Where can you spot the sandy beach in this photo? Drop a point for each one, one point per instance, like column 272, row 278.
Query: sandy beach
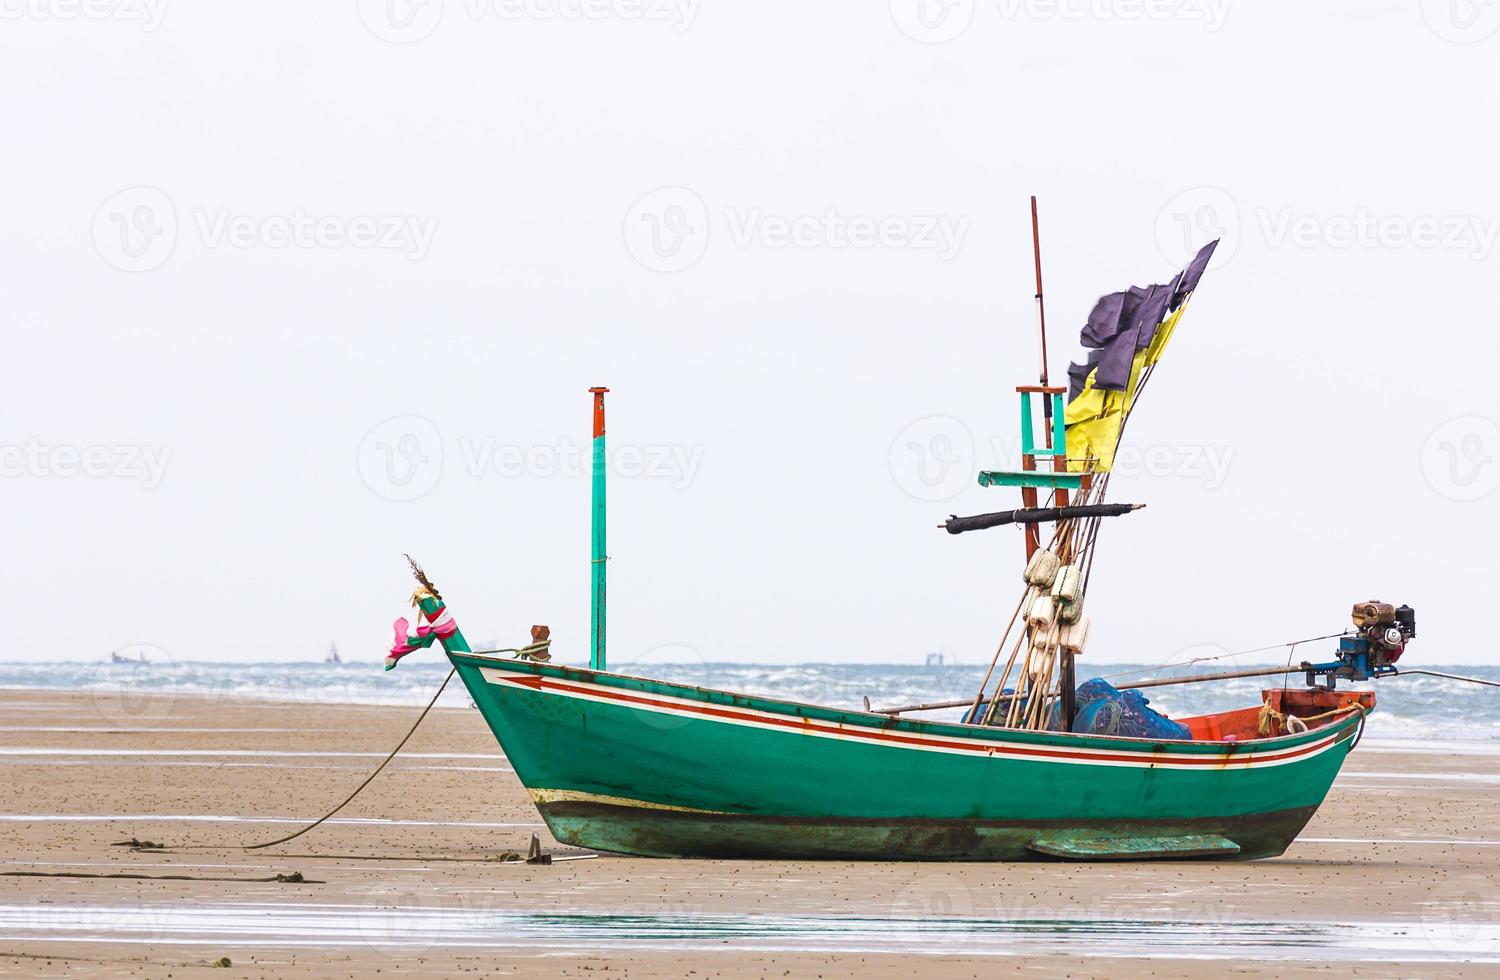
column 1398, row 875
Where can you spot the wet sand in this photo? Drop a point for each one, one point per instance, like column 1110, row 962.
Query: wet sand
column 1398, row 875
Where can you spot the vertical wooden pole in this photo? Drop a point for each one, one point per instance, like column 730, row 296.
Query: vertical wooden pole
column 1059, row 463
column 1041, row 306
column 600, row 556
column 1060, row 496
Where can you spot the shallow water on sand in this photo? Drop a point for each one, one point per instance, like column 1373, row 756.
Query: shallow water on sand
column 413, row 929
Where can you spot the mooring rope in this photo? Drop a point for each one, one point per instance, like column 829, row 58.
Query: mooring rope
column 295, row 878
column 368, row 779
column 530, row 650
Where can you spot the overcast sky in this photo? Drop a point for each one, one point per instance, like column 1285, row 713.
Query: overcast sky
column 292, row 288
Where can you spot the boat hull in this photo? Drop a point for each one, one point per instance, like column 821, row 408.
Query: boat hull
column 649, row 832
column 644, row 767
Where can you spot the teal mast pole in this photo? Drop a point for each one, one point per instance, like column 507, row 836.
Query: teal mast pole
column 600, row 558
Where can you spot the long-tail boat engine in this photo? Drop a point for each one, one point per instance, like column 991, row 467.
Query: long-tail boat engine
column 1381, row 632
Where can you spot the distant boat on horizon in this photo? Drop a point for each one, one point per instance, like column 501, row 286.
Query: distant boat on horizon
column 116, row 658
column 333, row 654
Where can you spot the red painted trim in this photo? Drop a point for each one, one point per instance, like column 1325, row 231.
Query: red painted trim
column 808, row 725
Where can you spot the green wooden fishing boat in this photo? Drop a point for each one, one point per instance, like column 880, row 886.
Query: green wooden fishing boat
column 649, row 767
column 646, row 767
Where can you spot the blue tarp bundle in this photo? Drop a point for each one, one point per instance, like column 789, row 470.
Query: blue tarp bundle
column 1105, row 710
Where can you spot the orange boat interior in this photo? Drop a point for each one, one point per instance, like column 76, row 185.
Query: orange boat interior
column 1310, row 707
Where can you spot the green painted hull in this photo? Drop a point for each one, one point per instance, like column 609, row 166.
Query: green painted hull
column 645, row 767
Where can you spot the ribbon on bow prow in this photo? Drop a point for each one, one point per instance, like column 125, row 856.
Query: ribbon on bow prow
column 443, row 626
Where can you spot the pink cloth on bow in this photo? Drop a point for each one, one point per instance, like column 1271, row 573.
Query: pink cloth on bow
column 444, row 628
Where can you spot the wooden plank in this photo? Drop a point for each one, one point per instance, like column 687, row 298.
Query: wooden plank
column 1134, row 848
column 1033, row 478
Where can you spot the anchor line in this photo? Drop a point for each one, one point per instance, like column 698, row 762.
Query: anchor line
column 147, row 845
column 368, row 779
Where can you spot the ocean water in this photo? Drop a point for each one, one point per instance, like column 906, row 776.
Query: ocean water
column 1409, row 707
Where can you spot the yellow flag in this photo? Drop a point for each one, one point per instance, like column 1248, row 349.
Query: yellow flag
column 1163, row 334
column 1094, row 419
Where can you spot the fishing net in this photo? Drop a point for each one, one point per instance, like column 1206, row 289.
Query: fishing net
column 1105, row 710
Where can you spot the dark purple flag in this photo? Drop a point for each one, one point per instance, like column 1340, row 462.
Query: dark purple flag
column 1105, row 320
column 1115, row 359
column 1193, row 273
column 1125, row 322
column 1078, row 374
column 1148, row 315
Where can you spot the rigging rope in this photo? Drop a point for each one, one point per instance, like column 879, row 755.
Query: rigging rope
column 1238, row 653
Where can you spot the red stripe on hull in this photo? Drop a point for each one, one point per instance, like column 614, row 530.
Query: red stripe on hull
column 808, row 725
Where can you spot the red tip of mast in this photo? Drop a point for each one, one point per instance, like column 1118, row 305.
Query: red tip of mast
column 598, row 411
